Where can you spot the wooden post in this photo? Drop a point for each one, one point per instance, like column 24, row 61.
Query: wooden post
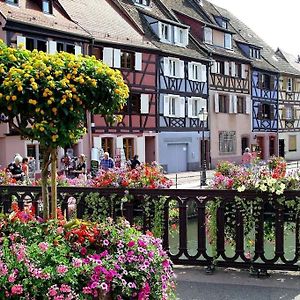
column 53, row 183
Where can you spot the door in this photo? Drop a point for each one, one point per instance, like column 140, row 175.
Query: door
column 245, row 144
column 260, row 144
column 177, row 158
column 281, row 147
column 272, row 145
column 149, row 149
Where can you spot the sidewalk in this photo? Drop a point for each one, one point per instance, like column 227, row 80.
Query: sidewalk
column 234, row 284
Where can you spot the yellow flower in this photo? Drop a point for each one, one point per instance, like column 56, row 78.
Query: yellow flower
column 49, row 102
column 20, row 88
column 31, row 101
column 1, row 95
column 37, row 109
column 7, row 98
column 9, row 107
column 42, row 129
column 54, row 110
column 13, row 98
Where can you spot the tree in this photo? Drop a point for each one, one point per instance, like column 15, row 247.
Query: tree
column 46, row 97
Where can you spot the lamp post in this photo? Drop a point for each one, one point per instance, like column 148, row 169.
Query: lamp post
column 202, row 119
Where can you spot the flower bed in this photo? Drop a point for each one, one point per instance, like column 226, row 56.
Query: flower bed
column 80, row 260
column 270, row 176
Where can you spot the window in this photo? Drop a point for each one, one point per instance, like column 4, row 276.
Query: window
column 241, row 105
column 220, row 67
column 128, row 145
column 224, row 24
column 227, row 142
column 165, row 32
column 228, row 41
column 238, row 70
column 266, row 82
column 70, row 48
column 47, row 6
column 60, row 47
column 33, row 150
column 172, row 106
column 29, row 44
column 289, row 85
column 127, row 60
column 208, row 35
column 142, row 2
column 173, row 68
column 42, row 46
column 195, row 105
column 292, row 143
column 135, row 102
column 15, row 2
column 107, row 146
column 288, row 113
column 254, row 53
column 97, row 52
column 266, row 111
column 223, row 104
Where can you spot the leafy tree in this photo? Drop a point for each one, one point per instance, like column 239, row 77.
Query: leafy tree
column 46, row 97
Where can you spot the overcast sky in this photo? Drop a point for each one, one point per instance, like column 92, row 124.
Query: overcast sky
column 277, row 22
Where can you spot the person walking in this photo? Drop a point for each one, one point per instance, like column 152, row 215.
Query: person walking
column 247, row 158
column 106, row 162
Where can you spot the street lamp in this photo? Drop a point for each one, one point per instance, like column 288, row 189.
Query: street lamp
column 202, row 119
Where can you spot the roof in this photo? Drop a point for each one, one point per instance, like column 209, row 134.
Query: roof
column 269, row 61
column 291, row 59
column 159, row 11
column 105, row 22
column 204, row 15
column 28, row 12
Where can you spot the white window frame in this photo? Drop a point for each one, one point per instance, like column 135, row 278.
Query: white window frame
column 289, row 113
column 228, row 43
column 195, row 105
column 174, row 67
column 175, row 106
column 289, row 86
column 208, row 35
column 165, row 29
column 227, row 142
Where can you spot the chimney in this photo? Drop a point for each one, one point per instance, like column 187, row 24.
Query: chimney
column 298, row 59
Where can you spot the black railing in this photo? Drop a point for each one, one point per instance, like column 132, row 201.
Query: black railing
column 185, row 207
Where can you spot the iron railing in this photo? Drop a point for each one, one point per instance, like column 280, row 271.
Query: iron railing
column 191, row 206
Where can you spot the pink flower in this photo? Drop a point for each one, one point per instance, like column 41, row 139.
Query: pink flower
column 52, row 291
column 60, row 230
column 83, row 251
column 62, row 269
column 65, row 288
column 43, row 246
column 131, row 244
column 17, row 289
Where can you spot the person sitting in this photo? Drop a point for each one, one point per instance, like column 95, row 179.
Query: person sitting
column 247, row 158
column 16, row 168
column 135, row 162
column 106, row 162
column 81, row 166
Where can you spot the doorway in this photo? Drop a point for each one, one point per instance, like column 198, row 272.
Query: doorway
column 149, row 149
column 281, row 147
column 261, row 148
column 272, row 145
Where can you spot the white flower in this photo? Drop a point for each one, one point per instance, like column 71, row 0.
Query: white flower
column 241, row 188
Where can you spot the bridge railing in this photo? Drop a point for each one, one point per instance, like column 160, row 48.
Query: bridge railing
column 198, row 227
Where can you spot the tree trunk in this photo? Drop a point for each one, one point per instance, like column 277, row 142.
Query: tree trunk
column 53, row 183
column 45, row 193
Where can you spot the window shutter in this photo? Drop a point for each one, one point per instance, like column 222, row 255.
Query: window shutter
column 248, row 105
column 186, row 37
column 284, row 84
column 190, row 71
column 117, row 58
column 21, row 40
column 166, row 66
column 259, row 112
column 140, row 145
column 166, row 106
column 51, row 47
column 190, row 107
column 214, row 67
column 231, row 100
column 144, row 103
column 235, row 104
column 181, row 107
column 176, row 35
column 78, row 50
column 216, row 102
column 203, row 104
column 203, row 73
column 119, row 142
column 138, row 61
column 244, row 75
column 159, row 33
column 283, row 113
column 233, row 74
column 108, row 56
column 226, row 68
column 294, row 113
column 272, row 111
column 181, row 69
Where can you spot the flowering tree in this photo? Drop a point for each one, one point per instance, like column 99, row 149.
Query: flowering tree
column 45, row 98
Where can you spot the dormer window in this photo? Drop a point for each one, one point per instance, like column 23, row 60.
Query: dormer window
column 165, row 32
column 228, row 41
column 14, row 2
column 208, row 35
column 47, row 6
column 224, row 24
column 142, row 2
column 255, row 53
column 181, row 36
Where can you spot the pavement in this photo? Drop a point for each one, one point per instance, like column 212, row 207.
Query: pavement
column 233, row 284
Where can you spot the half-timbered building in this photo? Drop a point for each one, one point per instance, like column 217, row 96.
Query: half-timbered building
column 122, row 44
column 289, row 107
column 45, row 26
column 229, row 78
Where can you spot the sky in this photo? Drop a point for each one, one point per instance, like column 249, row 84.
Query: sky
column 276, row 22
